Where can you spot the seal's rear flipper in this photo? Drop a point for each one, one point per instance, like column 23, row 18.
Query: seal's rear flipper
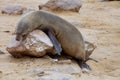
column 84, row 67
column 89, row 48
column 90, row 59
column 55, row 42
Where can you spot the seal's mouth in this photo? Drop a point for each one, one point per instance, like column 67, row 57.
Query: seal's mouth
column 21, row 37
column 18, row 37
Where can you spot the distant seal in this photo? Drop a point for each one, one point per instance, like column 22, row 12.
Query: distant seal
column 58, row 30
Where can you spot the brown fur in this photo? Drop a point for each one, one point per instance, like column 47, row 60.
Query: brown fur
column 68, row 36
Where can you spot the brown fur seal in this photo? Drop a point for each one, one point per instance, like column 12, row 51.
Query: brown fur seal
column 68, row 36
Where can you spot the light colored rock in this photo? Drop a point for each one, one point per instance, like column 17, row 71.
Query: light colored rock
column 37, row 44
column 64, row 61
column 13, row 10
column 62, row 5
column 56, row 76
column 37, row 71
column 28, row 10
column 66, row 69
column 1, row 51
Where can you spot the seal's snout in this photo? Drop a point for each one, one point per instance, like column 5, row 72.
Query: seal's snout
column 18, row 37
column 21, row 37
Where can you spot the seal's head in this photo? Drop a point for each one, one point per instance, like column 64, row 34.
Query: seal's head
column 27, row 23
column 22, row 30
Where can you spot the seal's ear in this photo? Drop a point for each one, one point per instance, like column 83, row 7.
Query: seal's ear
column 55, row 42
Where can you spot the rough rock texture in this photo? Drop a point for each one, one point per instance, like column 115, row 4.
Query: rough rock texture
column 13, row 10
column 68, row 69
column 55, row 76
column 62, row 5
column 37, row 44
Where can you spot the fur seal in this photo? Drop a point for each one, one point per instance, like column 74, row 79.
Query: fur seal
column 58, row 30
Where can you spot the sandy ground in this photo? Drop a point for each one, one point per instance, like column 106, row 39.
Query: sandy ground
column 99, row 22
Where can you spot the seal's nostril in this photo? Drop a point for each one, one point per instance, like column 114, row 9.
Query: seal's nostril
column 18, row 37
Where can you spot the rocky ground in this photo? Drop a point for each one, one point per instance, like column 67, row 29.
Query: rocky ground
column 99, row 22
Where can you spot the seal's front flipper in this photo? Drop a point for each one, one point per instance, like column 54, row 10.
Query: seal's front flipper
column 55, row 42
column 84, row 67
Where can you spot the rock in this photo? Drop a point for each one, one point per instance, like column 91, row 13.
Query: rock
column 1, row 51
column 64, row 61
column 28, row 10
column 66, row 69
column 13, row 10
column 39, row 72
column 54, row 60
column 37, row 44
column 62, row 5
column 56, row 76
column 36, row 71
